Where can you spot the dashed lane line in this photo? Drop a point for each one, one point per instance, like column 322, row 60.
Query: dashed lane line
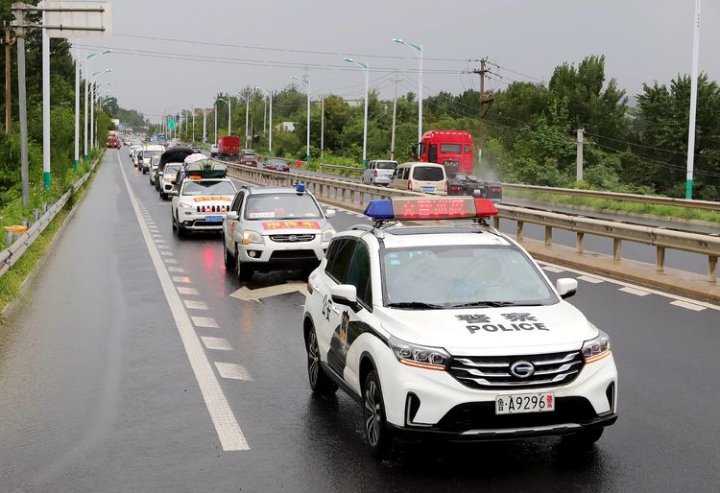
column 636, row 292
column 233, row 371
column 170, row 261
column 590, row 279
column 688, row 306
column 555, row 270
column 670, row 296
column 181, row 279
column 195, row 305
column 216, row 343
column 186, row 291
column 226, row 425
column 207, row 322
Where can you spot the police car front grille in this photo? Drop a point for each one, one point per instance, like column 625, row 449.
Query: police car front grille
column 493, row 372
column 211, row 208
column 291, row 238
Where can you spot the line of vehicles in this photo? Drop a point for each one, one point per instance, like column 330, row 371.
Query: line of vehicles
column 438, row 325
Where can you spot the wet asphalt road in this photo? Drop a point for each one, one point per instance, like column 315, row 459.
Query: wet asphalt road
column 97, row 392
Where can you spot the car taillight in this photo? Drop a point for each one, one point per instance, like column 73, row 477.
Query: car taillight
column 409, row 185
column 446, row 185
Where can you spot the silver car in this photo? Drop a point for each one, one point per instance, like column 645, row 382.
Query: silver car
column 379, row 172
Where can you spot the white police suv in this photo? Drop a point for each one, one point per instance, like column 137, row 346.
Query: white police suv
column 203, row 198
column 275, row 228
column 451, row 330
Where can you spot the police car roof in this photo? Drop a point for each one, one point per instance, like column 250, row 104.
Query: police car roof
column 270, row 191
column 404, row 235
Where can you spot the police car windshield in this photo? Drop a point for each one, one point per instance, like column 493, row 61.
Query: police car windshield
column 208, row 187
column 462, row 276
column 281, row 206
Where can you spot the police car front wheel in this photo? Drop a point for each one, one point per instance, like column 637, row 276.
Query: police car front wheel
column 243, row 270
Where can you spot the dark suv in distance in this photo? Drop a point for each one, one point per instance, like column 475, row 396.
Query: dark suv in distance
column 248, row 158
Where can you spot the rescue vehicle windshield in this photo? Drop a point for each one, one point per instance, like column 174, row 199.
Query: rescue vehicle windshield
column 462, row 276
column 282, row 206
column 208, row 187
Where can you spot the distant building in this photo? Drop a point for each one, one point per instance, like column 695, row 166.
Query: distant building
column 287, row 126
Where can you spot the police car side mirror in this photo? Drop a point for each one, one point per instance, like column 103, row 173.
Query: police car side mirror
column 330, row 213
column 566, row 287
column 345, row 294
column 231, row 216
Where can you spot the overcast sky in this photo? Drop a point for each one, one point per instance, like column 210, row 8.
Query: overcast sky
column 233, row 44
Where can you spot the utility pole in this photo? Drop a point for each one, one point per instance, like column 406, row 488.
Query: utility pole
column 322, row 124
column 9, row 40
column 485, row 102
column 205, row 112
column 20, row 26
column 579, row 158
column 394, row 118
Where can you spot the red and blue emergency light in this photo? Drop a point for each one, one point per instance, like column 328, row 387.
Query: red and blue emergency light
column 417, row 208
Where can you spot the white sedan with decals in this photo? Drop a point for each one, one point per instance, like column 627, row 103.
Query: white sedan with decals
column 450, row 329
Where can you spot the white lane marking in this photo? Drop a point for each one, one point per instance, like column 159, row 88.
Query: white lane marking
column 166, row 253
column 636, row 292
column 689, row 306
column 649, row 290
column 158, row 241
column 233, row 371
column 208, row 322
column 183, row 290
column 175, row 269
column 590, row 279
column 195, row 305
column 555, row 270
column 157, row 235
column 170, row 261
column 216, row 343
column 256, row 295
column 182, row 279
column 229, row 433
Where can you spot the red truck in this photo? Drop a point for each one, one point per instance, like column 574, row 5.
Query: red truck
column 228, row 147
column 454, row 150
column 448, row 147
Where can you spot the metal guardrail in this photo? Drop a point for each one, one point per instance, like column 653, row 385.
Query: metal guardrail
column 596, row 194
column 355, row 196
column 14, row 252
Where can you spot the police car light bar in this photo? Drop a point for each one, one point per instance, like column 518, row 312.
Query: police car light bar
column 300, row 188
column 420, row 208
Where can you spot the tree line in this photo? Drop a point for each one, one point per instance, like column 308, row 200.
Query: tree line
column 636, row 145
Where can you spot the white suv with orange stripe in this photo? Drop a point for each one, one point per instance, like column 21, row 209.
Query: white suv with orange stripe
column 273, row 229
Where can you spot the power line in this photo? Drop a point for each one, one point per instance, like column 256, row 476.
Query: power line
column 281, row 50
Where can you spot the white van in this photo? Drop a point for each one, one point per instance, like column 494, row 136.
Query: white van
column 420, row 177
column 379, row 172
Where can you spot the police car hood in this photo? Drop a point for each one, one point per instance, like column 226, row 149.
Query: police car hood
column 492, row 331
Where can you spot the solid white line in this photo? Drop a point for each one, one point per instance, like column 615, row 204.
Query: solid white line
column 634, row 291
column 649, row 290
column 208, row 322
column 226, row 425
column 216, row 343
column 233, row 371
column 689, row 306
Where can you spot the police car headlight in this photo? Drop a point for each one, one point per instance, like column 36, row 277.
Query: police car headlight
column 430, row 358
column 328, row 234
column 251, row 237
column 596, row 349
column 185, row 205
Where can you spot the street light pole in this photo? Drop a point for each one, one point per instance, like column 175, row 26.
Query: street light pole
column 366, row 67
column 86, row 73
column 418, row 48
column 46, row 102
column 693, row 104
column 76, row 161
